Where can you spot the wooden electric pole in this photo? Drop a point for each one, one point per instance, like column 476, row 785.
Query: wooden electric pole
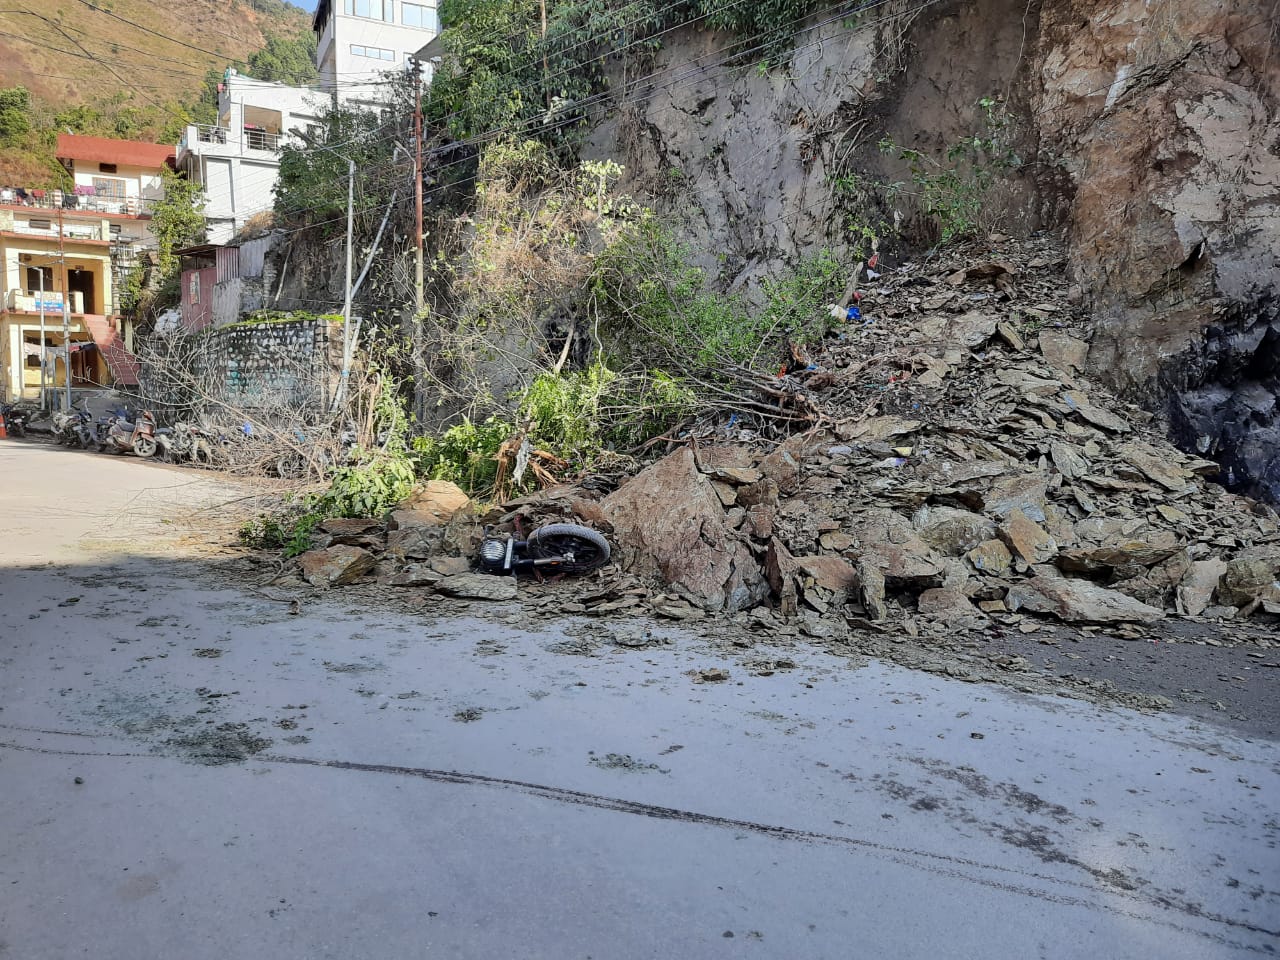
column 417, row 185
column 546, row 78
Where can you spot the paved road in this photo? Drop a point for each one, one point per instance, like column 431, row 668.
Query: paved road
column 465, row 788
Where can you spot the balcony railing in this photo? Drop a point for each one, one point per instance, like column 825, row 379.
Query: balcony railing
column 247, row 138
column 57, row 200
column 31, row 301
column 70, row 231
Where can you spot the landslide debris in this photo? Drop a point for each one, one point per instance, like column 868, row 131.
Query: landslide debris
column 959, row 474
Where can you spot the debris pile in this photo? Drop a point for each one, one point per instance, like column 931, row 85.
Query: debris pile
column 958, row 469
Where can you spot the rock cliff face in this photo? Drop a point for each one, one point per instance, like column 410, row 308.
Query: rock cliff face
column 1166, row 116
column 1147, row 131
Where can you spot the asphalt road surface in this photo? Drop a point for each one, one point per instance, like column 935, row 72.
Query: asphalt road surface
column 187, row 770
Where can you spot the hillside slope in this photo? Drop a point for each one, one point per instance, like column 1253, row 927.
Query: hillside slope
column 135, row 68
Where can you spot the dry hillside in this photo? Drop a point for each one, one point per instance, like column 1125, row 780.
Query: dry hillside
column 133, row 59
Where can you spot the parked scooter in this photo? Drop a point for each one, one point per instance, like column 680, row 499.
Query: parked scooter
column 136, row 434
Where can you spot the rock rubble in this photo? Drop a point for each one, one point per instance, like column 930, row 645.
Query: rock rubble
column 958, row 470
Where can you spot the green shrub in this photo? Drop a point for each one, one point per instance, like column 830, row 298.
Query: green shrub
column 367, row 489
column 646, row 286
column 465, row 454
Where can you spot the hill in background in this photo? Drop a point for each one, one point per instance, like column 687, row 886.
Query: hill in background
column 133, row 69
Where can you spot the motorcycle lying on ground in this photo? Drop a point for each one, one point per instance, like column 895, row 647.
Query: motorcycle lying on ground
column 127, row 433
column 552, row 549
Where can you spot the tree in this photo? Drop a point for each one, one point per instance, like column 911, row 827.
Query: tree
column 286, row 60
column 177, row 220
column 15, row 116
column 312, row 182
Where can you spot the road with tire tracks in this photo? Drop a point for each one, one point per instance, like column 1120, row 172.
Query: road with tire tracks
column 188, row 770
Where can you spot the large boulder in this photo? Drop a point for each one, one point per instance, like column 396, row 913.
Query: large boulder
column 889, row 542
column 952, row 532
column 1145, row 548
column 430, row 504
column 669, row 522
column 1078, row 601
column 1251, row 576
column 1195, row 592
column 336, row 566
column 478, row 586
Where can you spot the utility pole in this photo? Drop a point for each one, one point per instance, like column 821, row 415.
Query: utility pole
column 347, row 345
column 43, row 358
column 546, row 79
column 66, row 316
column 417, row 185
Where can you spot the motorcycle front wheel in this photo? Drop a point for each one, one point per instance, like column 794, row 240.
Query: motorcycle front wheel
column 559, row 541
column 144, row 446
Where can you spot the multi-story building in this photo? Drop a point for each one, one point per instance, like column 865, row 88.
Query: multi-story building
column 75, row 247
column 237, row 159
column 359, row 40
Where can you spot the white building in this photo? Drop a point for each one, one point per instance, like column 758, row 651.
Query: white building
column 237, row 159
column 359, row 40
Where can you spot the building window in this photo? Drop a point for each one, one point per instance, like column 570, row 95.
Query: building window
column 106, row 168
column 109, row 187
column 376, row 53
column 371, row 9
column 419, row 15
column 39, row 279
column 39, row 224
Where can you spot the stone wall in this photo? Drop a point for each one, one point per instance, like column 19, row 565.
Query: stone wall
column 277, row 368
column 271, row 372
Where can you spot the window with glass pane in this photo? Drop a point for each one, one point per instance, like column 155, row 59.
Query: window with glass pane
column 375, row 53
column 418, row 15
column 372, row 9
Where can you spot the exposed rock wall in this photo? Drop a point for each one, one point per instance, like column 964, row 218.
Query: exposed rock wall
column 1148, row 132
column 1164, row 114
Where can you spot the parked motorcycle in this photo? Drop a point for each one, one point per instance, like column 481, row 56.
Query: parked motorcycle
column 131, row 434
column 15, row 419
column 184, row 442
column 96, row 434
column 66, row 422
column 554, row 548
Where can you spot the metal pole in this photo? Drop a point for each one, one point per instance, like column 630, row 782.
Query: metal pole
column 546, row 80
column 43, row 358
column 66, row 315
column 347, row 345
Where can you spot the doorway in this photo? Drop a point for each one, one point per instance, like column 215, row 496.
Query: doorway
column 82, row 282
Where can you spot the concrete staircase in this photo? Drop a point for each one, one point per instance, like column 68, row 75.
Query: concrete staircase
column 122, row 364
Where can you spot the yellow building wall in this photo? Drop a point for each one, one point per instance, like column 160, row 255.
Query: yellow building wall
column 40, row 252
column 17, row 379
